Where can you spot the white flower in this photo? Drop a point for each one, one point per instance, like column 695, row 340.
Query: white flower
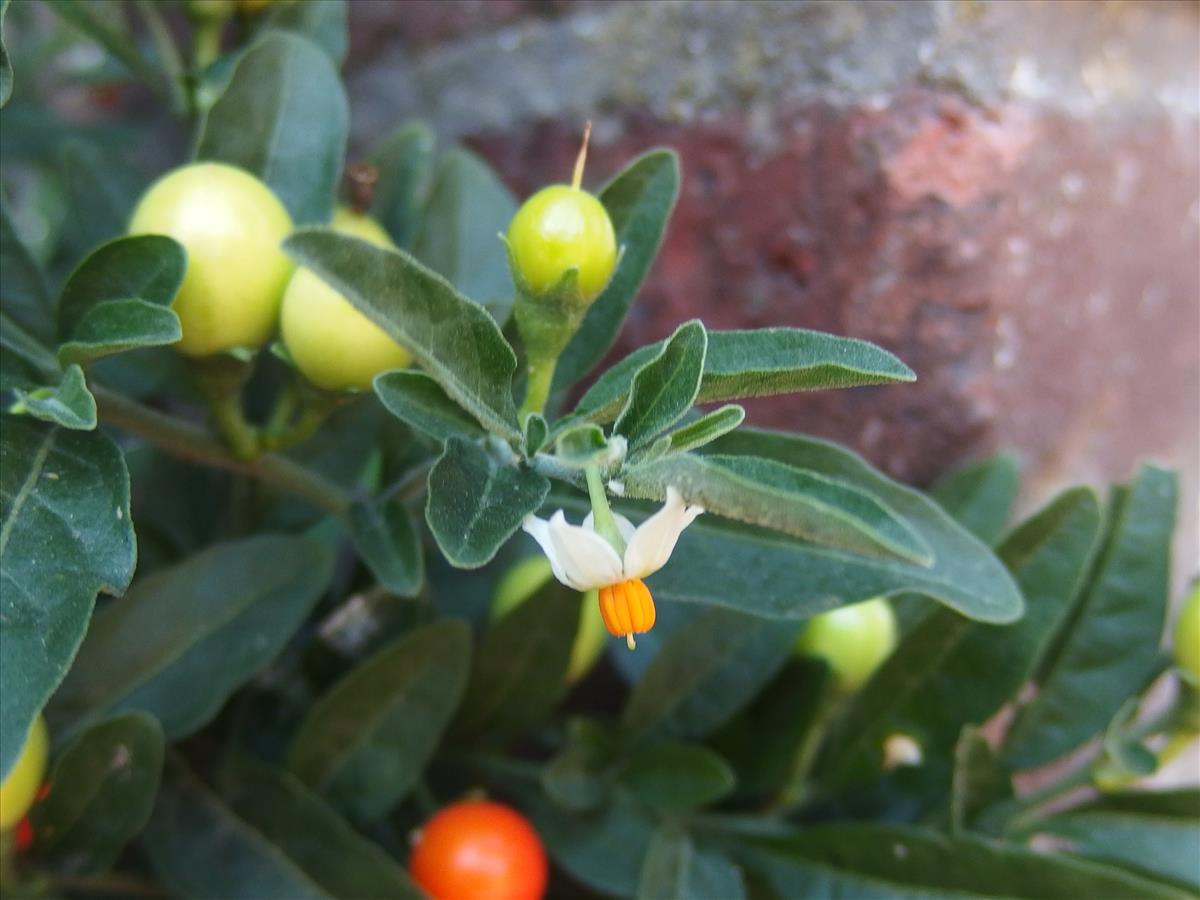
column 583, row 560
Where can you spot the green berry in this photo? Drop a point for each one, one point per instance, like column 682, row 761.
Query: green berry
column 558, row 229
column 20, row 785
column 231, row 226
column 332, row 343
column 852, row 640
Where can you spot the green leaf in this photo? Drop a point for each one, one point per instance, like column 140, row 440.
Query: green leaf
column 120, row 325
column 723, row 563
column 455, row 341
column 103, row 788
column 536, row 431
column 639, row 201
column 6, row 70
column 416, row 399
column 387, row 539
column 672, row 776
column 69, row 403
column 706, row 671
column 883, row 860
column 981, row 495
column 467, row 211
column 106, row 25
column 24, row 297
column 773, row 742
column 577, row 778
column 519, row 673
column 979, row 781
column 273, row 841
column 705, row 429
column 284, row 118
column 603, row 850
column 581, row 445
column 664, row 389
column 24, row 361
column 1156, row 833
column 675, row 869
column 365, row 743
column 323, row 23
column 1113, row 638
column 185, row 638
column 300, row 825
column 65, row 533
column 405, row 162
column 147, row 267
column 764, row 492
column 477, row 502
column 101, row 187
column 757, row 363
column 921, row 687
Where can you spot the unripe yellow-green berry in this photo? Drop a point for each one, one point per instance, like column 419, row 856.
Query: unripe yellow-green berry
column 852, row 640
column 20, row 786
column 1187, row 636
column 331, row 342
column 558, row 229
column 231, row 226
column 524, row 580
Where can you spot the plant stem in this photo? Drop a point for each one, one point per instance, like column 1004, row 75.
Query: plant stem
column 168, row 55
column 206, row 44
column 196, row 444
column 602, row 517
column 537, row 389
column 111, row 883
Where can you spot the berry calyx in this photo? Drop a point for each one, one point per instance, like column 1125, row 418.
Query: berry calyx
column 231, row 226
column 332, row 343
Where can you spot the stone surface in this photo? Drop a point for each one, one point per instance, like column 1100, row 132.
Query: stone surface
column 1004, row 194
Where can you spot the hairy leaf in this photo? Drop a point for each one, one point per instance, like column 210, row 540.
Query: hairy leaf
column 455, row 341
column 103, row 788
column 284, row 117
column 188, row 636
column 764, row 492
column 467, row 210
column 1113, row 638
column 476, row 502
column 664, row 389
column 757, row 364
column 65, row 534
column 416, row 399
column 367, row 741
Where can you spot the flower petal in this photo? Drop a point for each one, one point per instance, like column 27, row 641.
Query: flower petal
column 654, row 540
column 588, row 560
column 539, row 529
column 623, row 525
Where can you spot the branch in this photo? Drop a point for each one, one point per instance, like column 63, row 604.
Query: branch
column 196, row 444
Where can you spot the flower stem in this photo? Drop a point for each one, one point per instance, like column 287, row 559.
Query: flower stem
column 196, row 444
column 602, row 517
column 537, row 390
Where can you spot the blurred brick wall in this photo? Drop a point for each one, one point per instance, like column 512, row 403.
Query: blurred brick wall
column 1004, row 194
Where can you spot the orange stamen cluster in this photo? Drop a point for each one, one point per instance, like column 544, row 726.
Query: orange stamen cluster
column 627, row 609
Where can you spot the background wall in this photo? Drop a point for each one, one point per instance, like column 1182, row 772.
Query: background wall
column 1007, row 195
